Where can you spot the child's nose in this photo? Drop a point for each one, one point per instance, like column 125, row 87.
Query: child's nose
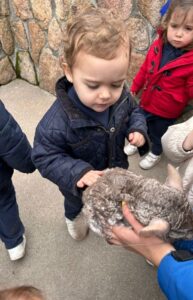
column 105, row 94
column 179, row 32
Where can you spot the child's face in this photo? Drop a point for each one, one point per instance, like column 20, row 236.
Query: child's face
column 180, row 28
column 99, row 82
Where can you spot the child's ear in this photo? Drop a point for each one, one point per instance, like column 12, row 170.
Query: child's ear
column 67, row 72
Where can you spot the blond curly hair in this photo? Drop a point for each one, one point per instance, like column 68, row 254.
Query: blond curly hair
column 97, row 31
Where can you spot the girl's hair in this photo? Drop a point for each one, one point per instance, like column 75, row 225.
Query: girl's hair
column 98, row 31
column 21, row 293
column 185, row 6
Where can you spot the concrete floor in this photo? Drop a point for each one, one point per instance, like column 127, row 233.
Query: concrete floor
column 61, row 267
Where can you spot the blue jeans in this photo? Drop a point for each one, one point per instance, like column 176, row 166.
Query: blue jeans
column 157, row 126
column 11, row 227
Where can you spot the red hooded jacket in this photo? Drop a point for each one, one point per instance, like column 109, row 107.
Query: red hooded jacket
column 166, row 91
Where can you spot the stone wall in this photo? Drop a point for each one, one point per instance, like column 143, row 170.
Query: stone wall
column 31, row 35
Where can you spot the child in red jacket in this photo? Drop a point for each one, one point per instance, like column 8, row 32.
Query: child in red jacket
column 166, row 77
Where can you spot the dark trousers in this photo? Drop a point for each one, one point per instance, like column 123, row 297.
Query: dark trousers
column 157, row 126
column 11, row 227
column 72, row 206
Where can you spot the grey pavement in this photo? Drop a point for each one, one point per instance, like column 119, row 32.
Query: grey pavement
column 61, row 267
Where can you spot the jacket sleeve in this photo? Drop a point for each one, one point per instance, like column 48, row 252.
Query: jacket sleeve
column 173, row 139
column 52, row 159
column 190, row 88
column 172, row 142
column 15, row 149
column 140, row 78
column 175, row 278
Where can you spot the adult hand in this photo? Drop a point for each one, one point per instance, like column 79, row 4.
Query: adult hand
column 152, row 248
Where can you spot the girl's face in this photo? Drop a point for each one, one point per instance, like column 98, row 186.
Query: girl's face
column 180, row 28
column 99, row 82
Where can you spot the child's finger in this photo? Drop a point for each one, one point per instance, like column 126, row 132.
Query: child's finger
column 80, row 184
column 130, row 137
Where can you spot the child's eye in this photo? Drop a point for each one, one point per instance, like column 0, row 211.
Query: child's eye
column 189, row 28
column 116, row 86
column 92, row 87
column 173, row 25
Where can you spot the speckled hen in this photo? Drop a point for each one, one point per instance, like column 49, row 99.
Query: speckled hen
column 162, row 208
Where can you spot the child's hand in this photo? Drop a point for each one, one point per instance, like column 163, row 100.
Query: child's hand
column 136, row 139
column 89, row 178
column 133, row 93
column 188, row 142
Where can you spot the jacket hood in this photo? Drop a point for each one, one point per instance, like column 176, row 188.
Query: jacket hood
column 62, row 87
